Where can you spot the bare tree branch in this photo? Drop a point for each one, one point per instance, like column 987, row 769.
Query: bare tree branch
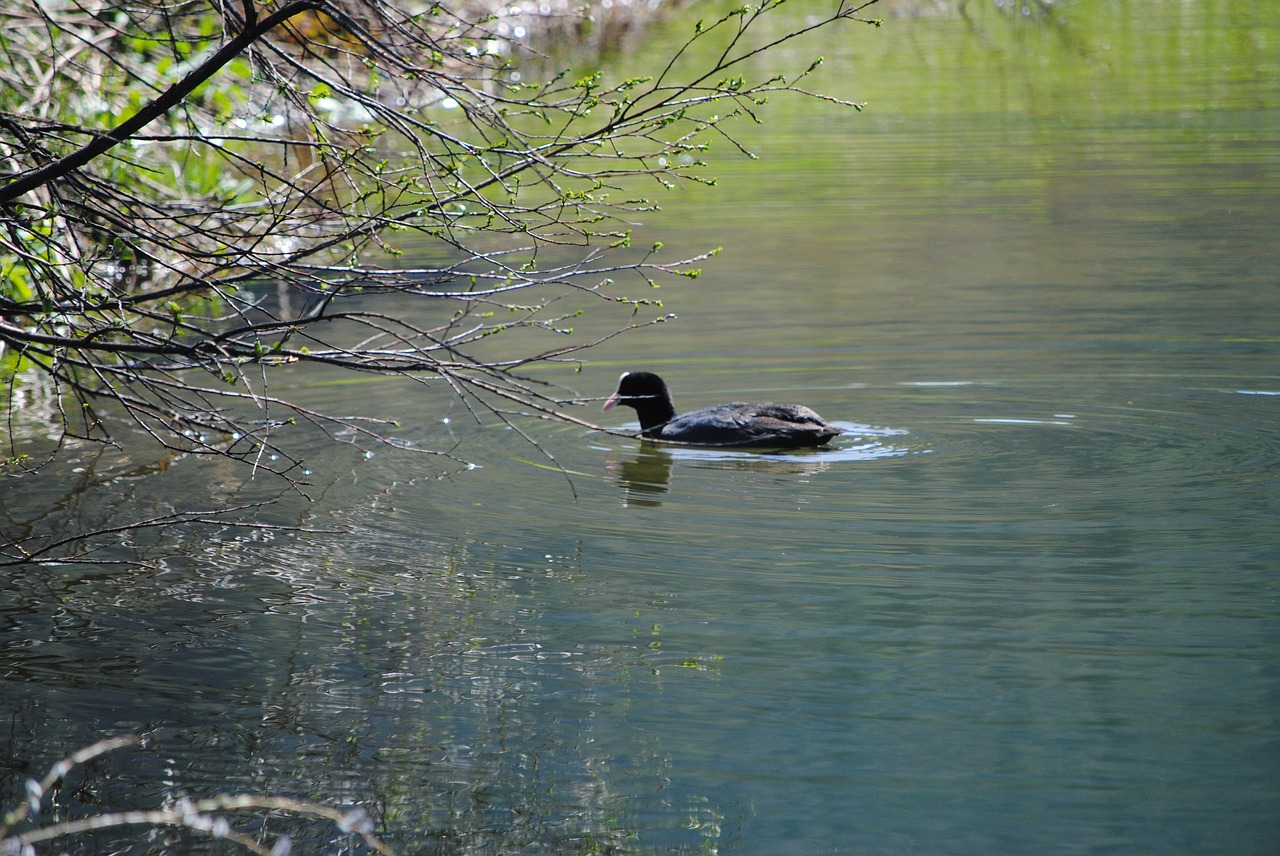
column 208, row 817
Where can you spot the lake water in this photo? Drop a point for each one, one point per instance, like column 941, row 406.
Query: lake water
column 1029, row 604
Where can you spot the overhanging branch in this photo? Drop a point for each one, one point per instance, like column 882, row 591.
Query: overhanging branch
column 170, row 98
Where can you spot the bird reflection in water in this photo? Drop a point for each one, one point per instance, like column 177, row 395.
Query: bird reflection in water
column 646, row 474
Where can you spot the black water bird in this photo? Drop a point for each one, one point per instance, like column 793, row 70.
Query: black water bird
column 738, row 423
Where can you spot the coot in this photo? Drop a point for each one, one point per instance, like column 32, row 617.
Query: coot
column 735, row 424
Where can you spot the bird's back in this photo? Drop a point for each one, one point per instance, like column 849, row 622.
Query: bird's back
column 750, row 424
